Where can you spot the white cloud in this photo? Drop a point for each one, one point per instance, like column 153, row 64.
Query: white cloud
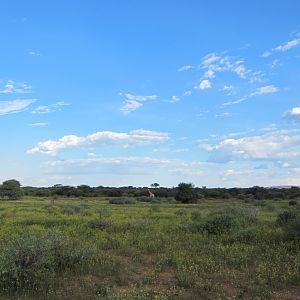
column 12, row 87
column 283, row 47
column 128, row 165
column 234, row 101
column 14, row 106
column 138, row 137
column 204, row 85
column 225, row 114
column 185, row 68
column 216, row 63
column 273, row 146
column 227, row 88
column 293, row 114
column 133, row 102
column 39, row 124
column 33, row 53
column 269, row 89
column 209, row 59
column 209, row 73
column 46, row 109
column 174, row 99
column 187, row 93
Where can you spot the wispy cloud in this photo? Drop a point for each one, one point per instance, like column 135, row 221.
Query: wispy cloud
column 12, row 87
column 185, row 68
column 283, row 47
column 138, row 137
column 234, row 101
column 14, row 106
column 38, row 124
column 224, row 63
column 224, row 114
column 46, row 109
column 33, row 53
column 133, row 102
column 174, row 99
column 268, row 89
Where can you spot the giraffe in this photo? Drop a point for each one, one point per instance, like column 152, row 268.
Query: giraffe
column 151, row 195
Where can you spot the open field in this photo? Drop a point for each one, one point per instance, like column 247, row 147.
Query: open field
column 90, row 249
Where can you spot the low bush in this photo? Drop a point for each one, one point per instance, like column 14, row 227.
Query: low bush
column 285, row 217
column 217, row 224
column 33, row 262
column 101, row 224
column 122, row 201
column 293, row 202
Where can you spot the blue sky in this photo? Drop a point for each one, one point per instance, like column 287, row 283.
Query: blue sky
column 135, row 92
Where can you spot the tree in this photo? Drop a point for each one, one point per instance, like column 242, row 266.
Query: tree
column 154, row 185
column 186, row 193
column 11, row 189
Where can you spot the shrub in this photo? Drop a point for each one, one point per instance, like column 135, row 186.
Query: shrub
column 219, row 223
column 122, row 201
column 196, row 215
column 104, row 213
column 293, row 202
column 33, row 261
column 292, row 228
column 101, row 224
column 285, row 217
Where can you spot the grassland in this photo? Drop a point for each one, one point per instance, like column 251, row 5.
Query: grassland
column 90, row 249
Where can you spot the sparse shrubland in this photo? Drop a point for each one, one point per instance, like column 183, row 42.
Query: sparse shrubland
column 92, row 248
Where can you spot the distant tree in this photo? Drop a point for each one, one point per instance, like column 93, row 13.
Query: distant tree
column 186, row 193
column 11, row 189
column 154, row 185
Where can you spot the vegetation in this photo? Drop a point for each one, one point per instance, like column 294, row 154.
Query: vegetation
column 92, row 248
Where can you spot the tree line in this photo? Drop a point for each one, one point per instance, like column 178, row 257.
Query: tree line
column 184, row 192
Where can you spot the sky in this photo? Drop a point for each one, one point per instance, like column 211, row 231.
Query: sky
column 134, row 92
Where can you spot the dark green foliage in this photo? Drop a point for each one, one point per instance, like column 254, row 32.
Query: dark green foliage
column 292, row 228
column 219, row 223
column 186, row 193
column 285, row 217
column 11, row 190
column 33, row 261
column 122, row 201
column 293, row 202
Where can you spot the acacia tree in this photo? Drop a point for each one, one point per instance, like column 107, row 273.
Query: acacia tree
column 11, row 189
column 186, row 193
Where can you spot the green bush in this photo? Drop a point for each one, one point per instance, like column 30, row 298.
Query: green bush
column 219, row 223
column 285, row 217
column 293, row 202
column 122, row 201
column 33, row 262
column 101, row 224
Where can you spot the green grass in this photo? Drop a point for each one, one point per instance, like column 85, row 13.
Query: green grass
column 92, row 249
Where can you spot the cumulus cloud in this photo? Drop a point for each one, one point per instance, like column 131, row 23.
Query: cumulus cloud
column 204, row 85
column 138, row 137
column 269, row 89
column 283, row 47
column 14, row 106
column 12, row 87
column 273, row 146
column 293, row 114
column 133, row 102
column 46, row 109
